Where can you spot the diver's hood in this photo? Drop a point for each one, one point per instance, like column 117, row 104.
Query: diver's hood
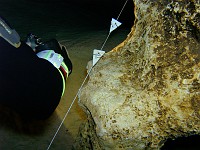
column 9, row 34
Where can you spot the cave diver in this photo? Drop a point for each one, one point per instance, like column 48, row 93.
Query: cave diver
column 32, row 73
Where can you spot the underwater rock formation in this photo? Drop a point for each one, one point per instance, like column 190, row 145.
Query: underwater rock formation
column 147, row 89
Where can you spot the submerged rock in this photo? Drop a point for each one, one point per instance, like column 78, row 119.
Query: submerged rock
column 147, row 89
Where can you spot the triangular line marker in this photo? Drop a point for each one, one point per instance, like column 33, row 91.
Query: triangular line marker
column 97, row 54
column 114, row 24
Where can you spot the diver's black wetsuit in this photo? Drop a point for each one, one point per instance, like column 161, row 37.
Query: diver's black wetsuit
column 30, row 85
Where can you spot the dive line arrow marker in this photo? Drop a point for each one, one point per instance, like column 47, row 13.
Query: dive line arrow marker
column 114, row 24
column 97, row 54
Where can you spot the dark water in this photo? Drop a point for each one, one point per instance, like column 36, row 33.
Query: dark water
column 64, row 19
column 183, row 143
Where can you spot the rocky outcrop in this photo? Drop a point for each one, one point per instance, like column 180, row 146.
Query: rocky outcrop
column 147, row 89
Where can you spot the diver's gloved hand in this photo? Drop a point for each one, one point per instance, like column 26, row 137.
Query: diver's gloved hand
column 52, row 44
column 33, row 41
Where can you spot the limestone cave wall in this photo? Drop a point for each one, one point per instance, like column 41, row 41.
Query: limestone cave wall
column 147, row 89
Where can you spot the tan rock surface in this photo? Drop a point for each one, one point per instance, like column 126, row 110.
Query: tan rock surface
column 147, row 89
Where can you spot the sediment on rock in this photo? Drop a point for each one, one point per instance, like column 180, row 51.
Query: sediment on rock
column 147, row 89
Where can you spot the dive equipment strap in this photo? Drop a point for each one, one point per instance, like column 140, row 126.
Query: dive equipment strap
column 52, row 57
column 57, row 61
